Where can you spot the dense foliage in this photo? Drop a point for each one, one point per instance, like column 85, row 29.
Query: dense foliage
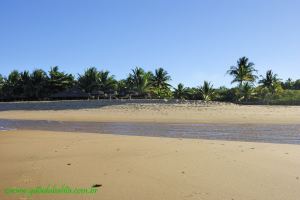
column 250, row 88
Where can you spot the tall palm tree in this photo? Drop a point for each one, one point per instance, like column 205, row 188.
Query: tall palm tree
column 180, row 92
column 206, row 91
column 243, row 71
column 270, row 81
column 160, row 79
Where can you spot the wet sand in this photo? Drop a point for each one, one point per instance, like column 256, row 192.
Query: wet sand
column 134, row 167
column 271, row 133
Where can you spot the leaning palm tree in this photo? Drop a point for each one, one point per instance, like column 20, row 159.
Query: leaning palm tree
column 206, row 91
column 180, row 92
column 270, row 81
column 243, row 71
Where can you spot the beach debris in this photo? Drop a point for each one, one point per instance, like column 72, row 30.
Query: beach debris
column 96, row 185
column 69, row 164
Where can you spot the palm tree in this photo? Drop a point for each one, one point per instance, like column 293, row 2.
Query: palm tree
column 180, row 92
column 39, row 80
column 59, row 81
column 288, row 84
column 139, row 80
column 246, row 92
column 122, row 87
column 160, row 88
column 206, row 91
column 243, row 71
column 107, row 82
column 89, row 81
column 160, row 79
column 26, row 83
column 13, row 87
column 270, row 81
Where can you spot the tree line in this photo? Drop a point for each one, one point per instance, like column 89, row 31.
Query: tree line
column 250, row 88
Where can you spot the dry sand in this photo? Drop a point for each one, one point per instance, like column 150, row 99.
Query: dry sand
column 181, row 113
column 135, row 168
column 148, row 168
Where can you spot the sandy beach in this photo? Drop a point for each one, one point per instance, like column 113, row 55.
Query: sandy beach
column 132, row 167
column 136, row 167
column 172, row 113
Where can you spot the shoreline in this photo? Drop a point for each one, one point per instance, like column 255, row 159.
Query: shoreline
column 262, row 133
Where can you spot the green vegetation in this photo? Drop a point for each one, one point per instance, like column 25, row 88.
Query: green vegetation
column 206, row 91
column 250, row 88
column 180, row 92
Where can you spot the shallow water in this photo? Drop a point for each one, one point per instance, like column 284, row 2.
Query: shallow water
column 272, row 133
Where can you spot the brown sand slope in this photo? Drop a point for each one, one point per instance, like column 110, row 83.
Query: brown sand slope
column 183, row 113
column 135, row 168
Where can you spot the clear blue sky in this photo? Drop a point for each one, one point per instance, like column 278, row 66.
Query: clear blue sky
column 193, row 40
